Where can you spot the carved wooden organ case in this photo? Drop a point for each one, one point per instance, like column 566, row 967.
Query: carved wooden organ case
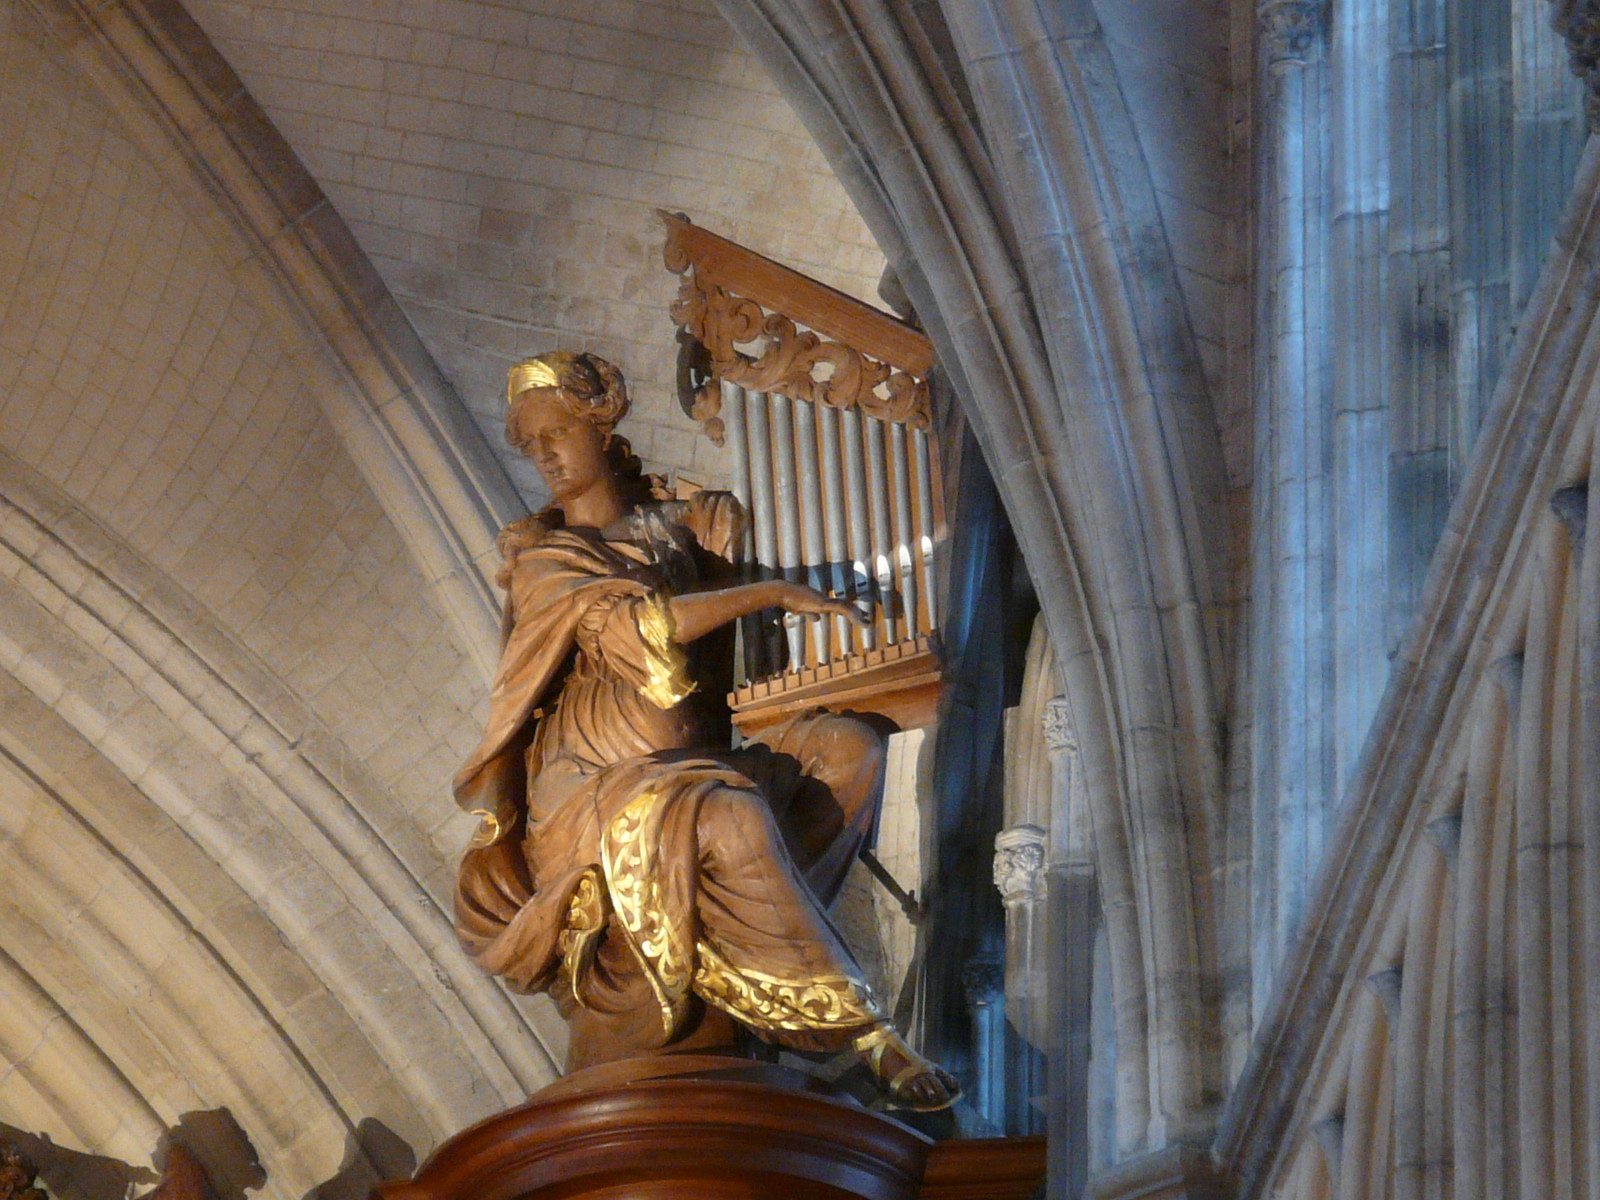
column 823, row 402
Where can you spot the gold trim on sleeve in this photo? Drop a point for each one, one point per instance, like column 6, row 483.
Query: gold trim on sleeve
column 488, row 831
column 668, row 667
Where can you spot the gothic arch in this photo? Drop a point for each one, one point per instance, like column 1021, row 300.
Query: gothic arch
column 185, row 848
column 980, row 155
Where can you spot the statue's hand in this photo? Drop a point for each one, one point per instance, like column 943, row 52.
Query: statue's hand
column 797, row 598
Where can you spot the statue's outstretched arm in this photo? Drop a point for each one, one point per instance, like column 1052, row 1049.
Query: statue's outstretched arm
column 696, row 614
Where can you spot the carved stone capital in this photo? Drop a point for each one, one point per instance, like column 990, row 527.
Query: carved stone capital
column 1578, row 21
column 1059, row 735
column 1290, row 31
column 1019, row 862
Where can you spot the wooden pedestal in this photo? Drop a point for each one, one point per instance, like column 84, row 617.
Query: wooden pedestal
column 711, row 1129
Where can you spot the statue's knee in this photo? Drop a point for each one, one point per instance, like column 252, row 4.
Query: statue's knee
column 855, row 744
column 728, row 810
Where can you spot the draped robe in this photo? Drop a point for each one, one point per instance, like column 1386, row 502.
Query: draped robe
column 627, row 856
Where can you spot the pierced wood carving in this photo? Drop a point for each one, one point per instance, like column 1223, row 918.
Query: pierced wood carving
column 746, row 313
column 17, row 1177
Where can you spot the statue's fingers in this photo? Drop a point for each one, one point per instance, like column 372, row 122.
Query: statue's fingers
column 851, row 612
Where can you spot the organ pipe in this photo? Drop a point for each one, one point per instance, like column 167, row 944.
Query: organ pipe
column 925, row 528
column 833, row 520
column 903, row 536
column 766, row 526
column 860, row 523
column 825, row 406
column 847, row 508
column 786, row 486
column 814, row 553
column 751, row 662
column 882, row 567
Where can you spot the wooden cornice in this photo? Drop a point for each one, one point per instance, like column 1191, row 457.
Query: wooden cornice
column 802, row 299
column 770, row 329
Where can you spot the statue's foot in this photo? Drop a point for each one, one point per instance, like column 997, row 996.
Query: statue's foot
column 909, row 1080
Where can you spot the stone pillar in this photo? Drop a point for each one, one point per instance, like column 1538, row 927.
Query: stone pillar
column 983, row 980
column 1068, row 831
column 1292, row 567
column 1362, row 373
column 1551, row 118
column 1424, row 420
column 1072, row 909
column 1019, row 874
column 1516, row 129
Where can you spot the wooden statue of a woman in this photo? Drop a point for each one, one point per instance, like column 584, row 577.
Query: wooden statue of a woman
column 653, row 880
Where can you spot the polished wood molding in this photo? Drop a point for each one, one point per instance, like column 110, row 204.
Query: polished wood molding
column 708, row 1127
column 985, row 1169
column 675, row 1138
column 901, row 683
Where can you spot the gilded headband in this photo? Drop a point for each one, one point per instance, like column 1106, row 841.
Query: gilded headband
column 529, row 373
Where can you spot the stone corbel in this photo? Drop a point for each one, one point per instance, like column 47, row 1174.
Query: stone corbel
column 1578, row 21
column 1019, row 862
column 1290, row 31
column 1059, row 737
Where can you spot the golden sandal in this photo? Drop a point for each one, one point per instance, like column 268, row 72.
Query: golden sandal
column 880, row 1038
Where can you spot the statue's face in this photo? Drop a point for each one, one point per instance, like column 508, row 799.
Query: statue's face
column 569, row 451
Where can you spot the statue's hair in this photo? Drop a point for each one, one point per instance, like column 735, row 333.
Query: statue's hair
column 588, row 385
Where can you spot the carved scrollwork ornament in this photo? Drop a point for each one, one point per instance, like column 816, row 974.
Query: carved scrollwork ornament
column 18, row 1177
column 699, row 393
column 1291, row 31
column 1019, row 863
column 776, row 356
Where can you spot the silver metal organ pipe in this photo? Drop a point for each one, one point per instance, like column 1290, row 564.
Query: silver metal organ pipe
column 759, row 433
column 833, row 522
column 857, row 501
column 925, row 530
column 813, row 554
column 904, row 535
column 787, row 490
column 735, row 436
column 882, row 534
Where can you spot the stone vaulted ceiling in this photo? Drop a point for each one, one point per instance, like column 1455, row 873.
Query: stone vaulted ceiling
column 501, row 164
